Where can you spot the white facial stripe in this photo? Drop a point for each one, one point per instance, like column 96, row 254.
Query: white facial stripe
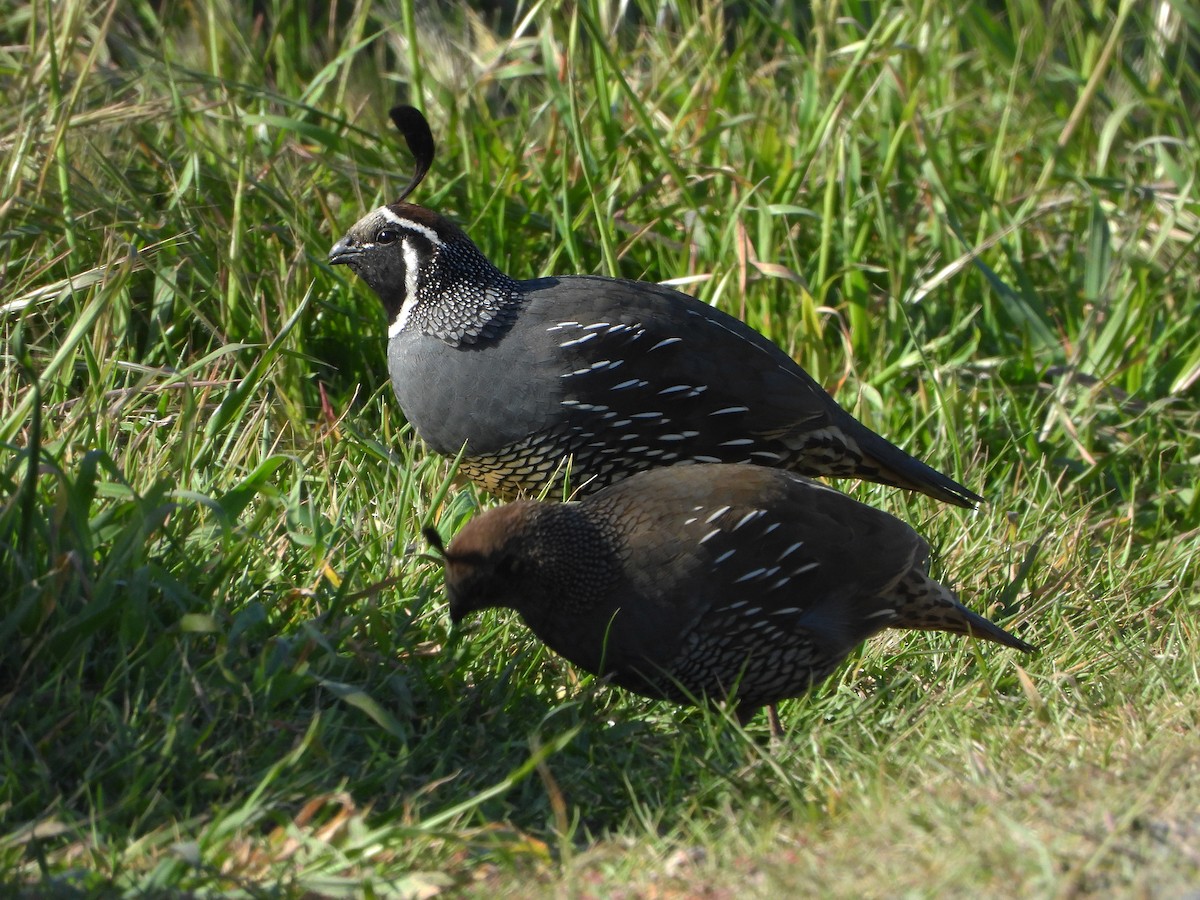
column 411, row 261
column 428, row 233
column 398, row 323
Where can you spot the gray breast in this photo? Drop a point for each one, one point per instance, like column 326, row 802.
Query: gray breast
column 491, row 395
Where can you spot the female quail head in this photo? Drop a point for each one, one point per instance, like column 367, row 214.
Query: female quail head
column 705, row 581
column 604, row 376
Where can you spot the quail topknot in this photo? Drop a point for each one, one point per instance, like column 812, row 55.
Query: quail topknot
column 710, row 582
column 609, row 376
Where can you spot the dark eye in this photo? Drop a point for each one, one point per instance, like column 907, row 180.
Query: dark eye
column 387, row 236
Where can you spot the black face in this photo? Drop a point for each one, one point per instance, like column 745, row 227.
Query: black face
column 390, row 249
column 374, row 251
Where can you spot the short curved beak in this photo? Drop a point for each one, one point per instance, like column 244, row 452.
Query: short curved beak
column 344, row 251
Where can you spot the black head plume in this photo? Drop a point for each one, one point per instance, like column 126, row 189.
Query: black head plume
column 435, row 541
column 415, row 128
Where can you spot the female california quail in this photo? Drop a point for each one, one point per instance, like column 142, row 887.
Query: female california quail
column 705, row 581
column 605, row 375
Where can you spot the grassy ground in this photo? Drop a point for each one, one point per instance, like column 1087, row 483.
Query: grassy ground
column 225, row 669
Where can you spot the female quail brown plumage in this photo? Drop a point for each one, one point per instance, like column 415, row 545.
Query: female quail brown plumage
column 705, row 581
column 613, row 376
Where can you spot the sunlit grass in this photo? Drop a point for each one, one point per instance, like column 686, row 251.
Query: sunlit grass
column 227, row 665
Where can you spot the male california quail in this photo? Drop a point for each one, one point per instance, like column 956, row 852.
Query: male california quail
column 613, row 376
column 704, row 581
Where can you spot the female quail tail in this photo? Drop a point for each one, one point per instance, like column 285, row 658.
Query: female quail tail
column 720, row 582
column 922, row 604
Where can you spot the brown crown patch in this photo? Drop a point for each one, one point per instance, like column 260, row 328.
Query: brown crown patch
column 443, row 227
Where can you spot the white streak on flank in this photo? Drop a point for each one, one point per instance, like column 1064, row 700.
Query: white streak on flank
column 647, row 415
column 780, row 583
column 736, row 605
column 601, row 364
column 770, row 528
column 737, row 442
column 595, row 326
column 705, row 459
column 803, row 569
column 787, row 610
column 689, row 521
column 796, row 546
column 561, row 325
column 711, row 534
column 724, row 556
column 412, row 261
column 730, row 409
column 664, row 343
column 682, row 436
column 716, row 515
column 577, row 341
column 428, row 233
column 675, row 389
column 585, row 407
column 882, row 612
column 749, row 517
column 624, row 384
column 752, row 574
column 767, row 454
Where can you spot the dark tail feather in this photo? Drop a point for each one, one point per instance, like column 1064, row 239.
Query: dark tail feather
column 888, row 464
column 921, row 604
column 976, row 626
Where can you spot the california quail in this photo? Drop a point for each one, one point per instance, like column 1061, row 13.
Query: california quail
column 705, row 581
column 613, row 376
